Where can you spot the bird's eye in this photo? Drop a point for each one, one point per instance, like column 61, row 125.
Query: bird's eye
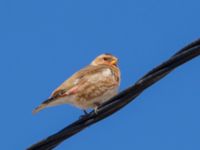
column 106, row 59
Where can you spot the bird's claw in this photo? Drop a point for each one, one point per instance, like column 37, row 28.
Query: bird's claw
column 96, row 110
column 84, row 115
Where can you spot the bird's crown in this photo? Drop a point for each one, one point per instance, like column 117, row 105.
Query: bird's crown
column 106, row 58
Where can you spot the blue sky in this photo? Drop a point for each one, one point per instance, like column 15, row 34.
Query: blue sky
column 42, row 42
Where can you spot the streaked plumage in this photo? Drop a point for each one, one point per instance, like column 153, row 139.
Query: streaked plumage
column 89, row 87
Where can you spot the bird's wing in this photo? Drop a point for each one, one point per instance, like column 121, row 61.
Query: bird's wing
column 91, row 76
column 70, row 86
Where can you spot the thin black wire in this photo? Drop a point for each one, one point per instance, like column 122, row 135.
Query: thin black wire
column 123, row 98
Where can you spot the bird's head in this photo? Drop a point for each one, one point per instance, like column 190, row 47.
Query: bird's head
column 107, row 59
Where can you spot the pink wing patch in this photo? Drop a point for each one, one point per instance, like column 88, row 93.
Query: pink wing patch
column 63, row 93
column 72, row 91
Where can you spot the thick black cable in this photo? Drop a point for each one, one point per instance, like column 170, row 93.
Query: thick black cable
column 123, row 98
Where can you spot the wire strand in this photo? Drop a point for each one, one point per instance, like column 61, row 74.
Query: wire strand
column 122, row 99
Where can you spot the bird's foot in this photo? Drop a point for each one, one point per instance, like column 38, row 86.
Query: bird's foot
column 85, row 114
column 96, row 110
column 96, row 107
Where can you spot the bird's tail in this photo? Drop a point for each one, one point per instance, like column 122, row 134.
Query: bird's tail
column 43, row 105
column 39, row 108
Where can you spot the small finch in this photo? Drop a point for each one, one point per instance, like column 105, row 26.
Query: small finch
column 89, row 87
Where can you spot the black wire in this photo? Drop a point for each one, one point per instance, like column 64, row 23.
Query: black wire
column 123, row 98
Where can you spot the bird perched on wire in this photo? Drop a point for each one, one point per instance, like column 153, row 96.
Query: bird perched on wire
column 89, row 87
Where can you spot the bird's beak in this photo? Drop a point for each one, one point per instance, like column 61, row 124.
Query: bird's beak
column 114, row 62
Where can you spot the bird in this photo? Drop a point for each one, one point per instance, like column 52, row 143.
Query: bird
column 89, row 87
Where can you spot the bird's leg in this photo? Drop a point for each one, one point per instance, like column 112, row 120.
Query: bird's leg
column 96, row 110
column 96, row 105
column 85, row 112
